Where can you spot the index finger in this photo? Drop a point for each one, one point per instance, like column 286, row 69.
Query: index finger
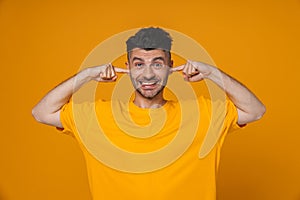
column 121, row 70
column 178, row 68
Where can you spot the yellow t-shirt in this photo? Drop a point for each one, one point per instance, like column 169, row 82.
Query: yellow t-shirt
column 170, row 173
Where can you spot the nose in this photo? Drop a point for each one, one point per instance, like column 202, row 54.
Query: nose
column 148, row 73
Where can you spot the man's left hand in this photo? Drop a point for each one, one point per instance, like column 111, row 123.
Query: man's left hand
column 194, row 71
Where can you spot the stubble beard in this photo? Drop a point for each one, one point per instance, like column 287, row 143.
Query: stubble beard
column 139, row 90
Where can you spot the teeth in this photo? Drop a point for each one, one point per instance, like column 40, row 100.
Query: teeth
column 148, row 83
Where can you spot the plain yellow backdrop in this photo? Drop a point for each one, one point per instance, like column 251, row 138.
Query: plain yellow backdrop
column 44, row 42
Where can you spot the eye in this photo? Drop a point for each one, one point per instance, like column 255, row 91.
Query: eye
column 139, row 65
column 157, row 65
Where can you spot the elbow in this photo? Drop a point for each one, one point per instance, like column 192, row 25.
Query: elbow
column 260, row 112
column 36, row 115
column 42, row 116
column 251, row 116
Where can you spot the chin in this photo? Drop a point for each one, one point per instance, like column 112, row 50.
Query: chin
column 147, row 96
column 152, row 95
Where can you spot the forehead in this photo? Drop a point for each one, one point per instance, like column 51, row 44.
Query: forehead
column 146, row 55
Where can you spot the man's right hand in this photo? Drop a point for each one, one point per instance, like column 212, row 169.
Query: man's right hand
column 104, row 73
column 47, row 110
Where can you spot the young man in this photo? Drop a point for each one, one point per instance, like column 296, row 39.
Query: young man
column 131, row 177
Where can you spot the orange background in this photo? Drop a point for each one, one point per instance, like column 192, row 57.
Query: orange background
column 44, row 42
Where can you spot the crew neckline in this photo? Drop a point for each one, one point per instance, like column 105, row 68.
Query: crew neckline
column 132, row 105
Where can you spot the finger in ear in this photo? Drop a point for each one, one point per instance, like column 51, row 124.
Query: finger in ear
column 113, row 72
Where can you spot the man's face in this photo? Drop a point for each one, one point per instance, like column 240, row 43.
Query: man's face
column 149, row 71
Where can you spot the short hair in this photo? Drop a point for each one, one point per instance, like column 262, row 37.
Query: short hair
column 149, row 39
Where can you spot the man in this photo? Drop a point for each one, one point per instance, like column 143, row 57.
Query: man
column 149, row 66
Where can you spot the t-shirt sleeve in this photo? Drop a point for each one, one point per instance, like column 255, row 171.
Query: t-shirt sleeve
column 231, row 118
column 67, row 119
column 223, row 114
column 222, row 119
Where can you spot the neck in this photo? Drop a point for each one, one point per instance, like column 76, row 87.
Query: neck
column 142, row 102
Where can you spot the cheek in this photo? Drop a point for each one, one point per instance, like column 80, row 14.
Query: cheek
column 163, row 74
column 134, row 74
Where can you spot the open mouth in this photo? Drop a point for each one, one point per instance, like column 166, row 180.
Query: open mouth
column 148, row 85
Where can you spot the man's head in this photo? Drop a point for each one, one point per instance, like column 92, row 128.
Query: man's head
column 149, row 60
column 149, row 39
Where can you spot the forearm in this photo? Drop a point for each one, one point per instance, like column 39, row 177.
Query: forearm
column 250, row 108
column 47, row 111
column 52, row 102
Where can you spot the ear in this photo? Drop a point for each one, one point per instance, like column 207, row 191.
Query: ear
column 170, row 67
column 171, row 63
column 127, row 65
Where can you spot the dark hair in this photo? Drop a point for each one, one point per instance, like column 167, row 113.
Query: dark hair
column 149, row 39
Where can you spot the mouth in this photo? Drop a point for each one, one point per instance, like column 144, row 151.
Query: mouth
column 149, row 85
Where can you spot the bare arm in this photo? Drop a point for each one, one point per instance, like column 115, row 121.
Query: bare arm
column 47, row 110
column 249, row 107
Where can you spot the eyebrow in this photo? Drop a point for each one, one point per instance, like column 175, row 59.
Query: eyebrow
column 137, row 58
column 154, row 59
column 158, row 58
